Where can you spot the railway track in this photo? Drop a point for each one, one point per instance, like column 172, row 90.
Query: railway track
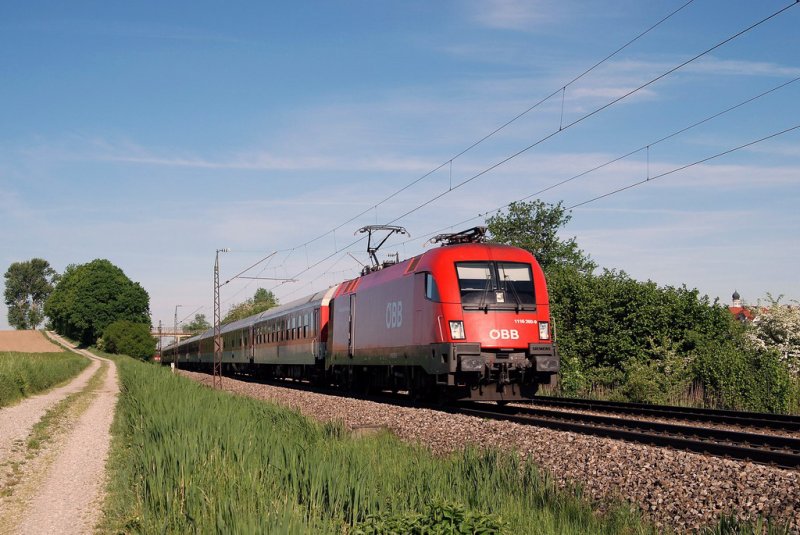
column 756, row 420
column 755, row 447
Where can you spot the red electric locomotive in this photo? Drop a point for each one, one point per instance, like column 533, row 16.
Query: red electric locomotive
column 469, row 320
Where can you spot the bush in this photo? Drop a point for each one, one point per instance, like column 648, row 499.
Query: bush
column 738, row 376
column 128, row 338
column 610, row 320
column 627, row 340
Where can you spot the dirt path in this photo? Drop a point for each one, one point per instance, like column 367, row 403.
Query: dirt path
column 17, row 421
column 60, row 490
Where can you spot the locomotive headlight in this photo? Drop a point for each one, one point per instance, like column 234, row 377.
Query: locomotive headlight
column 457, row 330
column 544, row 330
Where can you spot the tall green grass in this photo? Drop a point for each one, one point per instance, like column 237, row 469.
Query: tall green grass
column 191, row 460
column 25, row 374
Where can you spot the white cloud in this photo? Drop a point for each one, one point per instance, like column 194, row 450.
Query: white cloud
column 245, row 160
column 711, row 65
column 527, row 15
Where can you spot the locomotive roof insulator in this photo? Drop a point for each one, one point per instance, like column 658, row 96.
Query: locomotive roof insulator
column 392, row 259
column 473, row 235
column 373, row 249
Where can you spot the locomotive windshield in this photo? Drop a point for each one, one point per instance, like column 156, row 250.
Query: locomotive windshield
column 496, row 285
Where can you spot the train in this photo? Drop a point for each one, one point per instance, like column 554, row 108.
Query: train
column 465, row 321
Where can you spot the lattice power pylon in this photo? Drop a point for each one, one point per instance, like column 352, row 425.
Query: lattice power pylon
column 217, row 382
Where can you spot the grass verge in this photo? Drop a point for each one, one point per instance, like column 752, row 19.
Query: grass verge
column 25, row 374
column 189, row 459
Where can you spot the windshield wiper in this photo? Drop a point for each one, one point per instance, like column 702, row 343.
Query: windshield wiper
column 483, row 304
column 513, row 291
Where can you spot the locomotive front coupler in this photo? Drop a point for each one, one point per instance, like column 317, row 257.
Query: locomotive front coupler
column 503, row 377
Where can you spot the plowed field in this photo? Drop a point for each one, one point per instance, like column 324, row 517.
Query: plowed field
column 26, row 342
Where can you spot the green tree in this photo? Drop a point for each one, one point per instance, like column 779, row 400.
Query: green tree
column 197, row 325
column 90, row 297
column 125, row 337
column 261, row 301
column 534, row 226
column 28, row 285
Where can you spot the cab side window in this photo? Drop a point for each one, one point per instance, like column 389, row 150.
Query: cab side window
column 431, row 290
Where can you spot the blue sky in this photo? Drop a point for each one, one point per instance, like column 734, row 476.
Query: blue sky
column 153, row 133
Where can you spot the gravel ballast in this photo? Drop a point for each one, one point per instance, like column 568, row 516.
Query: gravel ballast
column 677, row 489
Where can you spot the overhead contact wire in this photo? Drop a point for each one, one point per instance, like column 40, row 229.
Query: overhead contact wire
column 687, row 166
column 545, row 138
column 596, row 111
column 509, row 122
column 617, row 159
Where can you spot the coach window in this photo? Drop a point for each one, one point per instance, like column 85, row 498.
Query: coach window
column 431, row 290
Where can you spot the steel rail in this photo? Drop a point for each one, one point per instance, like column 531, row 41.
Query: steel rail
column 778, row 451
column 738, row 418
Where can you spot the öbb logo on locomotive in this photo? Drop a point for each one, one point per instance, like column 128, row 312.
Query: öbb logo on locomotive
column 394, row 314
column 504, row 334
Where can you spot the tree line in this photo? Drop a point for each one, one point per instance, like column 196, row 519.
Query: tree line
column 97, row 304
column 262, row 300
column 93, row 303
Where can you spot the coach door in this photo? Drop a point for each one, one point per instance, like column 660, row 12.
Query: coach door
column 351, row 339
column 251, row 344
column 318, row 347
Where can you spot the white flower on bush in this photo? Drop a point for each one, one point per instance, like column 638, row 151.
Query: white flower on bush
column 777, row 326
